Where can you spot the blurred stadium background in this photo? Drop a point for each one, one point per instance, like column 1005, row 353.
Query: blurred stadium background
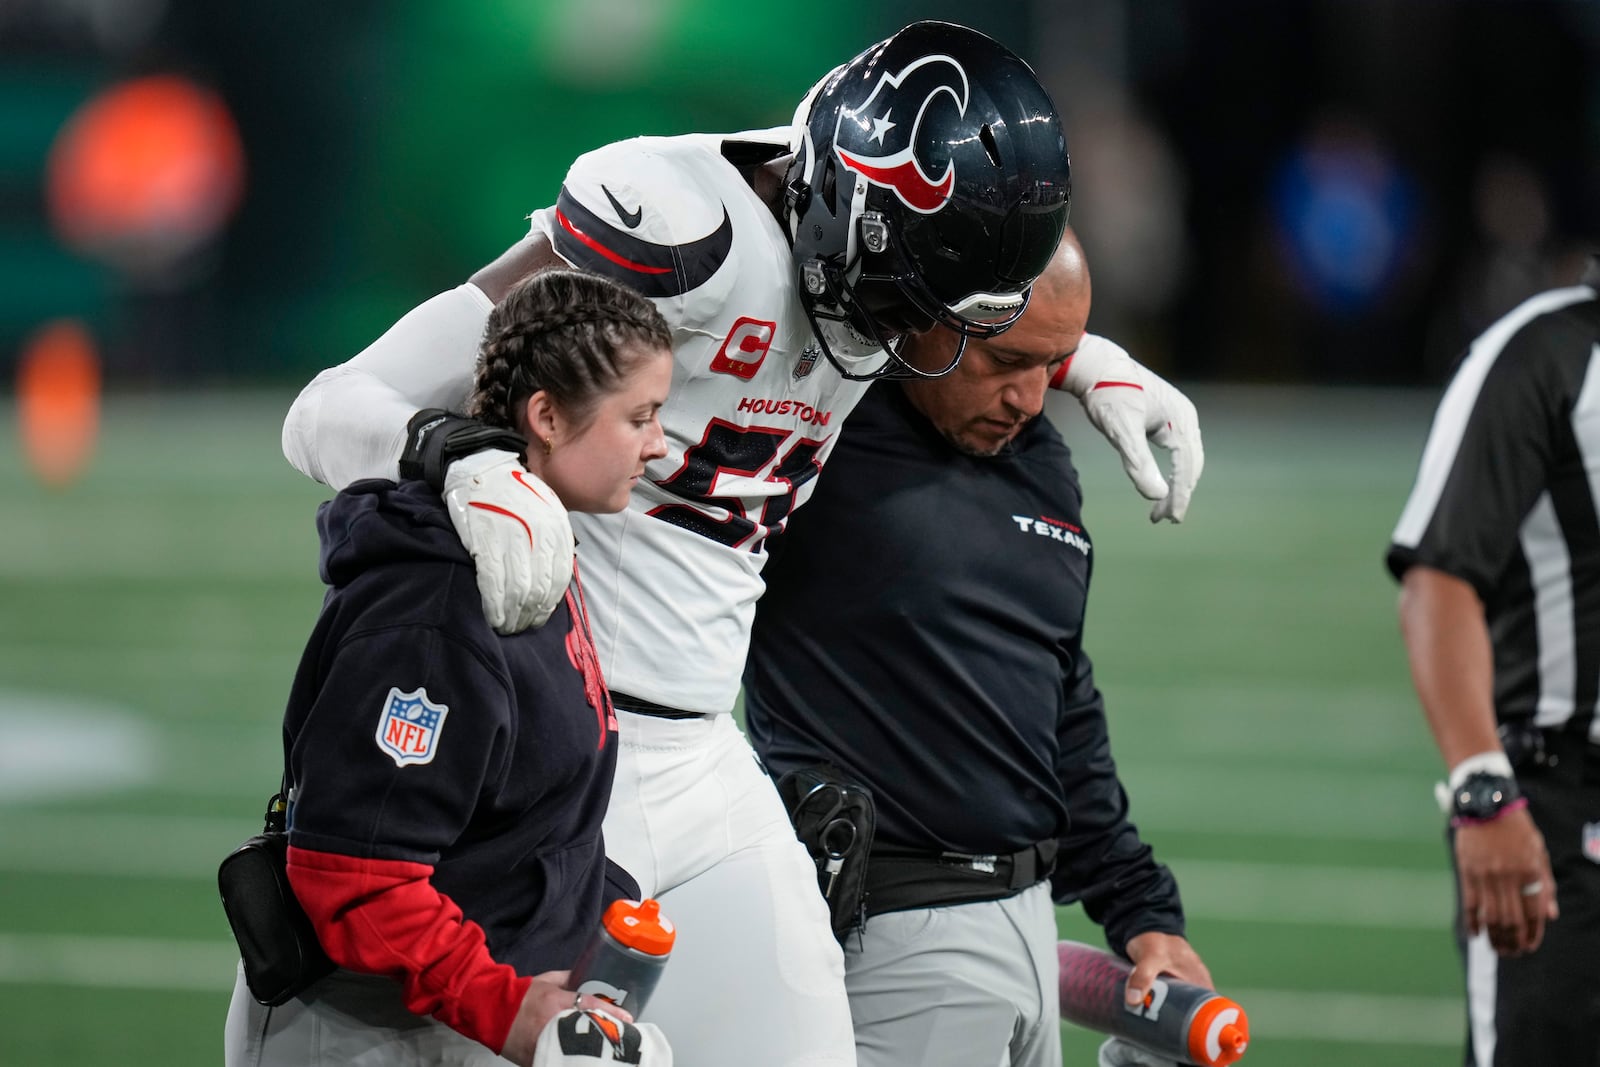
column 1299, row 210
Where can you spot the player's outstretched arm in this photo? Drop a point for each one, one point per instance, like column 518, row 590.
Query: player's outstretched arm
column 380, row 415
column 350, row 422
column 1133, row 406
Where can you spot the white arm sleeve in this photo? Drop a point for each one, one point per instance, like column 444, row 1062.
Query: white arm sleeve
column 350, row 422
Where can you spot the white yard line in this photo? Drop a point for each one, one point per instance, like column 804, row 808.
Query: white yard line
column 121, row 846
column 208, row 967
column 1352, row 1018
column 1368, row 897
column 190, row 847
column 1349, row 1018
column 1327, row 804
column 117, row 963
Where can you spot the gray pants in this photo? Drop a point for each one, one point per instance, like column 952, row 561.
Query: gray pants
column 345, row 1018
column 970, row 985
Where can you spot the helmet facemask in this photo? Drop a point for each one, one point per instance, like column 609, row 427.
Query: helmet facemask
column 847, row 295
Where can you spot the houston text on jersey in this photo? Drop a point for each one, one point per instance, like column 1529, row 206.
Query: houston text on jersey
column 804, row 412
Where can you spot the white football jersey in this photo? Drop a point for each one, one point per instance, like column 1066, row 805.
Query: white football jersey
column 754, row 411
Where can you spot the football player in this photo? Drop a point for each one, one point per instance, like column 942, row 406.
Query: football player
column 923, row 185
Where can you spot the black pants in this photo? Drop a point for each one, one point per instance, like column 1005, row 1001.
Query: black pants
column 1543, row 1010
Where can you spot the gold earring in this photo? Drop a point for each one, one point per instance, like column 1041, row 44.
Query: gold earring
column 549, row 446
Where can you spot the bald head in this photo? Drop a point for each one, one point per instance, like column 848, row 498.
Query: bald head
column 999, row 384
column 1065, row 279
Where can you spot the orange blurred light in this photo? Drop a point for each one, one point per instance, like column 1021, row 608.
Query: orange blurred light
column 145, row 172
column 58, row 401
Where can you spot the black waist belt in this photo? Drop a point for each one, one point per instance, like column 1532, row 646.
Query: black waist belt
column 640, row 706
column 897, row 881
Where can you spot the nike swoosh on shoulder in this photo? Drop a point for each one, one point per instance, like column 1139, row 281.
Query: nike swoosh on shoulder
column 585, row 240
column 629, row 219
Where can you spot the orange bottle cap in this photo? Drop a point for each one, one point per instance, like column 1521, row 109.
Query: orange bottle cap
column 640, row 925
column 1219, row 1033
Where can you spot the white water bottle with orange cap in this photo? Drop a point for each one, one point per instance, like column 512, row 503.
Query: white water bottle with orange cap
column 623, row 961
column 1178, row 1020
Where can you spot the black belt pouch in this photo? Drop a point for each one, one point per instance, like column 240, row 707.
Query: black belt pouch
column 834, row 819
column 277, row 943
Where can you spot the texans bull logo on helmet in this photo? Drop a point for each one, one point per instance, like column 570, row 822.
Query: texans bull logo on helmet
column 878, row 138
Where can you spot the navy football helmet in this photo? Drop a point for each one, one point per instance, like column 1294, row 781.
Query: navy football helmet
column 930, row 185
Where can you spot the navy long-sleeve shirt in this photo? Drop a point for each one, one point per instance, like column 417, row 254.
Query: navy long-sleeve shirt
column 923, row 629
column 449, row 782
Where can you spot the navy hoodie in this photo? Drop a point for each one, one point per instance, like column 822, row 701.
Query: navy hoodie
column 449, row 782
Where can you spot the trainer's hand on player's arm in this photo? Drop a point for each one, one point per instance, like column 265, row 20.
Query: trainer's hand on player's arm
column 1133, row 406
column 518, row 534
column 1497, row 861
column 546, row 998
column 1155, row 954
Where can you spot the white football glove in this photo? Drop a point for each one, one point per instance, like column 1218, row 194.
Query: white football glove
column 1132, row 405
column 518, row 534
column 579, row 1038
column 1119, row 1053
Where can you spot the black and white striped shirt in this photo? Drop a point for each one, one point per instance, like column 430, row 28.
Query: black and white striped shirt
column 1506, row 499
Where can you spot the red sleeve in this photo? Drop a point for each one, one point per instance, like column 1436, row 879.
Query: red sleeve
column 385, row 917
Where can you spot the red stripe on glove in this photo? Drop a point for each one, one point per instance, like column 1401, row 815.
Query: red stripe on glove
column 524, row 483
column 508, row 514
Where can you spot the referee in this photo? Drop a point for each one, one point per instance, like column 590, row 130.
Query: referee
column 1498, row 555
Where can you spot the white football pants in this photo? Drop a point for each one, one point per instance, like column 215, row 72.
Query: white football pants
column 755, row 975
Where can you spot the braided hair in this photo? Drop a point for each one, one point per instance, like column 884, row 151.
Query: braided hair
column 562, row 331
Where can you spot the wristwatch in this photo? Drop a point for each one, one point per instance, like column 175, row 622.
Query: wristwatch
column 1482, row 796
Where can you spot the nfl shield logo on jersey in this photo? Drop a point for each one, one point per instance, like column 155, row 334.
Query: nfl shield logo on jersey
column 808, row 360
column 409, row 727
column 1591, row 841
